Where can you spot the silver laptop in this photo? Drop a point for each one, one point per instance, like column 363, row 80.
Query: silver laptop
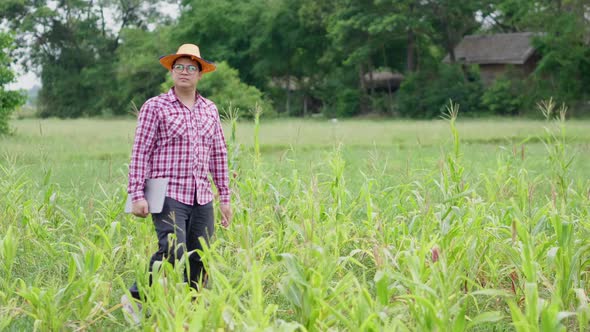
column 154, row 192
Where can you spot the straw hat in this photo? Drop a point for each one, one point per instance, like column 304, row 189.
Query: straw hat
column 190, row 50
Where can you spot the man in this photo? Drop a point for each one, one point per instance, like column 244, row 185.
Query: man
column 179, row 137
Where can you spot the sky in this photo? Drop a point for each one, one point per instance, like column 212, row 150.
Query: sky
column 28, row 80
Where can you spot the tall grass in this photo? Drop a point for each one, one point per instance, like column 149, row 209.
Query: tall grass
column 394, row 239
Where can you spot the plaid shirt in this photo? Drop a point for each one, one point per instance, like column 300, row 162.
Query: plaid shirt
column 183, row 145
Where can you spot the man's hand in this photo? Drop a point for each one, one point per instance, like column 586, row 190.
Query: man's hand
column 140, row 208
column 225, row 215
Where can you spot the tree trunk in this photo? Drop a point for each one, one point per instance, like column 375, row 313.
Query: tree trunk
column 363, row 90
column 102, row 20
column 411, row 53
column 372, row 86
column 389, row 92
column 288, row 100
column 450, row 48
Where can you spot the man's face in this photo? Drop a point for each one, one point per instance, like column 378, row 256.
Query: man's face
column 185, row 73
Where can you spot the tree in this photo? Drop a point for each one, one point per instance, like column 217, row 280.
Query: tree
column 451, row 20
column 137, row 70
column 563, row 71
column 9, row 100
column 74, row 50
column 512, row 15
column 352, row 43
column 223, row 86
column 224, row 31
column 265, row 40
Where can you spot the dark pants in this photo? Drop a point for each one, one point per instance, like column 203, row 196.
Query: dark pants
column 189, row 224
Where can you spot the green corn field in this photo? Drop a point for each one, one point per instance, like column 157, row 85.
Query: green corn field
column 355, row 225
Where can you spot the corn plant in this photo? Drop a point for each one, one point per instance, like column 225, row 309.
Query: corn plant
column 434, row 236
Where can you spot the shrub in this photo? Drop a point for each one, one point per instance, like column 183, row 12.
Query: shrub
column 503, row 98
column 424, row 94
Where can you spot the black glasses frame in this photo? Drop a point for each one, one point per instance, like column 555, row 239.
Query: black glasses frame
column 179, row 68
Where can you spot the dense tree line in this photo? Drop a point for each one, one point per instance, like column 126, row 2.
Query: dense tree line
column 9, row 100
column 299, row 57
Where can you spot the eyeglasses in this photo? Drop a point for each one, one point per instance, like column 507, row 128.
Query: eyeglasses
column 191, row 69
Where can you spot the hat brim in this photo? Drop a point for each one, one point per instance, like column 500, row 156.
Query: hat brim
column 168, row 60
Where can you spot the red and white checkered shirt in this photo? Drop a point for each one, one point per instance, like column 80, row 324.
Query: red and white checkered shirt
column 183, row 145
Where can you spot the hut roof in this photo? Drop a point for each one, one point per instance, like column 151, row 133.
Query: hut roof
column 383, row 79
column 384, row 76
column 503, row 48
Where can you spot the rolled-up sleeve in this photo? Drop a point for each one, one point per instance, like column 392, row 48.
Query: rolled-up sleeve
column 143, row 145
column 218, row 162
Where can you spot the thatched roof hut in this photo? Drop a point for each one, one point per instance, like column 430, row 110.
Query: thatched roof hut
column 383, row 80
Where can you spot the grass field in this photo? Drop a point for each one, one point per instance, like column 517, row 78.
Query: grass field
column 357, row 225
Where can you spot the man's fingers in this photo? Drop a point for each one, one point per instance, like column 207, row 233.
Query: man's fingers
column 226, row 215
column 141, row 210
column 223, row 220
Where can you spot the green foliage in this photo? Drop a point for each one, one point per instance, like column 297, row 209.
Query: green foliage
column 138, row 72
column 451, row 20
column 224, row 88
column 9, row 100
column 339, row 98
column 388, row 232
column 424, row 94
column 345, row 103
column 503, row 98
column 263, row 40
column 74, row 46
column 226, row 30
column 89, row 68
column 564, row 69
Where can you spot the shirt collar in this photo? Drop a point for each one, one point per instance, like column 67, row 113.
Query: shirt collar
column 173, row 97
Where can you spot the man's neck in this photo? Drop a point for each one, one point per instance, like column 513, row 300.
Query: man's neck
column 186, row 96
